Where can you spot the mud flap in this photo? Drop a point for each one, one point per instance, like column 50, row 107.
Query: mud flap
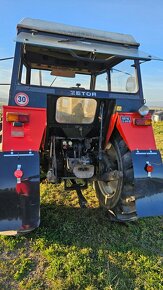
column 19, row 197
column 148, row 186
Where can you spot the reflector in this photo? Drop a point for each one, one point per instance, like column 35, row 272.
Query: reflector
column 149, row 168
column 18, row 173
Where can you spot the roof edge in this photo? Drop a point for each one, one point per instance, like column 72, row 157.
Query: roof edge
column 69, row 30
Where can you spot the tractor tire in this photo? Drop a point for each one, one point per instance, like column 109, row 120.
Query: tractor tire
column 117, row 196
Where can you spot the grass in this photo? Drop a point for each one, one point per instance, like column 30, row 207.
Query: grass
column 80, row 249
column 158, row 130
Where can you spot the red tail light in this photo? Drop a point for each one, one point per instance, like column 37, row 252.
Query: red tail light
column 23, row 118
column 142, row 122
column 17, row 117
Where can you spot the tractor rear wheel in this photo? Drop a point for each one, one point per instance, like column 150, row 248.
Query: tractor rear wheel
column 117, row 194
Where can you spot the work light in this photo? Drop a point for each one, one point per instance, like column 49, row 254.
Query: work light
column 144, row 110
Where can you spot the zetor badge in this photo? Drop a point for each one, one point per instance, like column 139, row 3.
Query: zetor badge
column 21, row 99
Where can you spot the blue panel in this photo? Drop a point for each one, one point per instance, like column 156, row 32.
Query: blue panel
column 148, row 187
column 150, row 205
column 19, row 199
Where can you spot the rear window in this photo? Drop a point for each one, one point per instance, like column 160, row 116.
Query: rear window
column 75, row 110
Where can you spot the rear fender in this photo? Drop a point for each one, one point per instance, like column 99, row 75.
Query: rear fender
column 31, row 133
column 19, row 198
column 136, row 137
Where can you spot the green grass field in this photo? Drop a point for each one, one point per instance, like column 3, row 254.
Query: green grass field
column 81, row 249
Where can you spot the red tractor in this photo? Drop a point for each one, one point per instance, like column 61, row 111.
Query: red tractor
column 76, row 113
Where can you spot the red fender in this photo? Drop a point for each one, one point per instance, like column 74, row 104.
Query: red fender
column 32, row 132
column 136, row 137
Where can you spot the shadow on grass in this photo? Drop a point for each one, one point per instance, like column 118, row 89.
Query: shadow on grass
column 78, row 248
column 91, row 227
column 123, row 252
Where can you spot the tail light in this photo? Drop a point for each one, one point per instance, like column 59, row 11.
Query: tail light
column 18, row 121
column 142, row 122
column 17, row 117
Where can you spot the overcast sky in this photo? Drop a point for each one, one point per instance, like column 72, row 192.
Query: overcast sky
column 141, row 18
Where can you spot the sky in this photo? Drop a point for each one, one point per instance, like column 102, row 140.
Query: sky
column 141, row 18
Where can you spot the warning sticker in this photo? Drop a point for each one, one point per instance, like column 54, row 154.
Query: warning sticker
column 21, row 99
column 125, row 119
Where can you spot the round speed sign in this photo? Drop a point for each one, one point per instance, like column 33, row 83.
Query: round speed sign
column 21, row 99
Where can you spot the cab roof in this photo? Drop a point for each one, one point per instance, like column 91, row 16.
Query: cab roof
column 86, row 33
column 78, row 40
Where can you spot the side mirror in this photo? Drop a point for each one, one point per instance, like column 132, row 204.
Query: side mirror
column 131, row 84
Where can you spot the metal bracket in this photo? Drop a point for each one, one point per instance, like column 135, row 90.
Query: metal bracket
column 74, row 185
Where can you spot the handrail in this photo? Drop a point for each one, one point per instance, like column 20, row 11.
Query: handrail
column 6, row 58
